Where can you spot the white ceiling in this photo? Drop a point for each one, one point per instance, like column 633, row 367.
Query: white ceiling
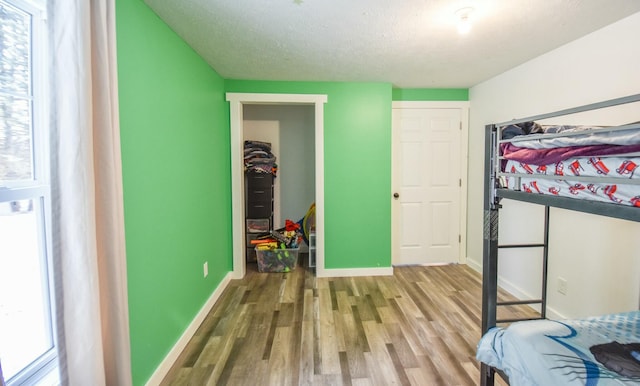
column 409, row 43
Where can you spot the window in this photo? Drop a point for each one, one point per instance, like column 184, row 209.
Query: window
column 27, row 339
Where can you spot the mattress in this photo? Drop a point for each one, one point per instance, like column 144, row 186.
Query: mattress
column 533, row 136
column 552, row 165
column 602, row 350
column 540, row 179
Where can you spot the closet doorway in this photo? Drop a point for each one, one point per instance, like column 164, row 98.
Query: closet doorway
column 271, row 118
column 289, row 130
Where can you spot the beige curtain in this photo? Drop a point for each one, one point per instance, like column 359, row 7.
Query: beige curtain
column 88, row 229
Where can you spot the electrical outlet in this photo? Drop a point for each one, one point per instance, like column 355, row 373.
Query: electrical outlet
column 205, row 268
column 562, row 285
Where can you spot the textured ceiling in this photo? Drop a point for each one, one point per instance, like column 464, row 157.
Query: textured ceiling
column 409, row 43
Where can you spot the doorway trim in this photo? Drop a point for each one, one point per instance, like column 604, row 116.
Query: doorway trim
column 236, row 101
column 463, row 106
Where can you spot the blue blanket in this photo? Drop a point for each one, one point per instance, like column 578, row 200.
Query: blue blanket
column 601, row 350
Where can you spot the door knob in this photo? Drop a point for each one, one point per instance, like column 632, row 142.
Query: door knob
column 396, row 195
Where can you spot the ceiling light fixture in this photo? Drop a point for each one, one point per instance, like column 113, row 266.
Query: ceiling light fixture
column 464, row 20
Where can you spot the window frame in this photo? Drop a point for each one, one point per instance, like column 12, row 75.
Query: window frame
column 38, row 188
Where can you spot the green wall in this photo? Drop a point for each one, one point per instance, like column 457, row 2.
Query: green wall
column 174, row 125
column 357, row 170
column 176, row 167
column 430, row 94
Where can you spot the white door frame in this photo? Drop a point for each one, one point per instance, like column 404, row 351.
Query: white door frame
column 236, row 101
column 464, row 150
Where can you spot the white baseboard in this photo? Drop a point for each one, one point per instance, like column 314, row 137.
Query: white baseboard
column 553, row 314
column 172, row 356
column 515, row 291
column 520, row 294
column 345, row 272
column 476, row 266
column 502, row 284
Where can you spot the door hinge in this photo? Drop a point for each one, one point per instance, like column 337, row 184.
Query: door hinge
column 460, row 182
column 460, row 125
column 459, row 239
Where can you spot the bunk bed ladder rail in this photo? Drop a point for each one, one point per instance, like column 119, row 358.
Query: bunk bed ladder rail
column 490, row 248
column 542, row 301
column 490, row 254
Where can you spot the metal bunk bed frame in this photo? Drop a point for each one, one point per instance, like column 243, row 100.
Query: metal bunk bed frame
column 492, row 197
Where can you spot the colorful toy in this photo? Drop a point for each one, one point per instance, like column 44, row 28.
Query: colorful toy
column 308, row 222
column 277, row 251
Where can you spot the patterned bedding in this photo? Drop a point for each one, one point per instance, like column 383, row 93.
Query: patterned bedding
column 623, row 168
column 593, row 351
column 593, row 154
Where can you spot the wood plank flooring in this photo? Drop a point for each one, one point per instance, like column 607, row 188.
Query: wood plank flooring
column 417, row 327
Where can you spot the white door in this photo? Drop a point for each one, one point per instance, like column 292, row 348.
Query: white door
column 426, row 185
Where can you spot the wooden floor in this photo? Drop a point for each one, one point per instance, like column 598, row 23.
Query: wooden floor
column 417, row 327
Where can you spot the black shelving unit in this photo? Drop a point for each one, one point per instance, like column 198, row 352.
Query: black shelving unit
column 258, row 208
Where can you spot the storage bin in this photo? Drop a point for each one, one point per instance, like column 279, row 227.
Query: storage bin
column 277, row 260
column 258, row 225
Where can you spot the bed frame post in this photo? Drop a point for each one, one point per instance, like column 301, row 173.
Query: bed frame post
column 490, row 239
column 487, row 375
column 490, row 246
